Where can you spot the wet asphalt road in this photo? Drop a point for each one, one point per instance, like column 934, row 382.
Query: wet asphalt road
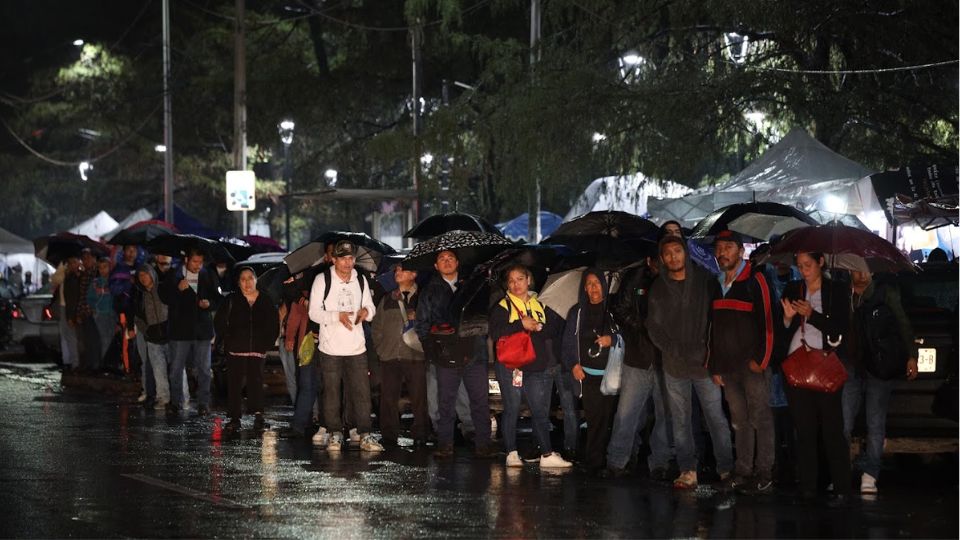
column 75, row 465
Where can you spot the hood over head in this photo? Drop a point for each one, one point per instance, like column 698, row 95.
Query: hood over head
column 148, row 269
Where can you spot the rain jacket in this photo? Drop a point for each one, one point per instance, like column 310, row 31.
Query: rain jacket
column 545, row 342
column 679, row 321
column 631, row 309
column 146, row 306
column 98, row 296
column 577, row 340
column 188, row 321
column 743, row 324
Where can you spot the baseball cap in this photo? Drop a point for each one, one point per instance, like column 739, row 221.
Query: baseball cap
column 344, row 248
column 727, row 235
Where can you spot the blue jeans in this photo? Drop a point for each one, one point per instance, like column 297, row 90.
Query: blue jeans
column 637, row 386
column 198, row 352
column 433, row 403
column 537, row 389
column 563, row 381
column 307, row 388
column 681, row 412
column 875, row 393
column 288, row 360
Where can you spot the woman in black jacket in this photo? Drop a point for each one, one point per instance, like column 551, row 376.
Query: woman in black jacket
column 520, row 311
column 816, row 310
column 248, row 325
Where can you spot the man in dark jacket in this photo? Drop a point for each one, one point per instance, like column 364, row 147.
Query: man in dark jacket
column 742, row 344
column 640, row 379
column 678, row 323
column 881, row 350
column 192, row 295
column 455, row 358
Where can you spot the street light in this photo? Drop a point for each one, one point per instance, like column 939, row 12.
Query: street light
column 630, row 65
column 84, row 167
column 331, row 176
column 285, row 128
column 78, row 43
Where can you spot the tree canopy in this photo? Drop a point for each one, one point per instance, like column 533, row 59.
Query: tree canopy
column 680, row 90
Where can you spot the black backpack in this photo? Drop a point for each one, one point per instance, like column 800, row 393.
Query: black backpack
column 884, row 351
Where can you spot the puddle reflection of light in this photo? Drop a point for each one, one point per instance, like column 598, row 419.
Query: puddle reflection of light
column 216, row 452
column 268, row 475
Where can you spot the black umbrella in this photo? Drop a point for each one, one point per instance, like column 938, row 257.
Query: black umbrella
column 454, row 221
column 56, row 248
column 608, row 223
column 271, row 282
column 606, row 252
column 370, row 251
column 177, row 245
column 142, row 232
column 758, row 220
column 239, row 249
column 471, row 247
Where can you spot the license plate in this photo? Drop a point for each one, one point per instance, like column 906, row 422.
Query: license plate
column 494, row 386
column 927, row 360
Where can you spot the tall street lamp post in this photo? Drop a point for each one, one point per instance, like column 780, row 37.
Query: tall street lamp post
column 286, row 137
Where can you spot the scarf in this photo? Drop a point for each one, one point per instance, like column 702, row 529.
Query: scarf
column 533, row 307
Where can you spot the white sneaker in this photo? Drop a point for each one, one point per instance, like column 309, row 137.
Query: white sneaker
column 868, row 485
column 513, row 459
column 186, row 404
column 161, row 404
column 336, row 441
column 354, row 436
column 370, row 444
column 554, row 460
column 142, row 397
column 321, row 438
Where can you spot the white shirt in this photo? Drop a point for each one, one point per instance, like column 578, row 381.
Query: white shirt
column 335, row 339
column 813, row 336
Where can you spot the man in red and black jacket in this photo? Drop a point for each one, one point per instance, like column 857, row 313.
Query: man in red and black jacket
column 741, row 347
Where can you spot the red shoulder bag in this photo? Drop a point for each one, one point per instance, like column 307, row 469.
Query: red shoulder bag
column 515, row 350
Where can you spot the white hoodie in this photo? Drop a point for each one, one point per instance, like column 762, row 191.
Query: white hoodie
column 335, row 339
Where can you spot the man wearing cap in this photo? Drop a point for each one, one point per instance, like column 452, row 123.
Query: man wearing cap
column 742, row 343
column 340, row 301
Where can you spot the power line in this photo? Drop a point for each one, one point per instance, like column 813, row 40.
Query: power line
column 94, row 159
column 852, row 71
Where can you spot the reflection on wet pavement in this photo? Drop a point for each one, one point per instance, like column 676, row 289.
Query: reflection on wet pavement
column 90, row 467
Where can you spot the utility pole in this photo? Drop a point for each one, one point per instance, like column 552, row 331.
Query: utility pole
column 167, row 119
column 416, row 38
column 533, row 216
column 240, row 98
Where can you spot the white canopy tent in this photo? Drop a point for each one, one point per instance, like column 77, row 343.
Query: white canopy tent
column 798, row 171
column 11, row 243
column 133, row 217
column 625, row 193
column 96, row 227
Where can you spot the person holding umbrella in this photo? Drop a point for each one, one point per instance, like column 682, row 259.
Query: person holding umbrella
column 816, row 312
column 589, row 334
column 520, row 311
column 192, row 294
column 454, row 358
column 66, row 279
column 248, row 324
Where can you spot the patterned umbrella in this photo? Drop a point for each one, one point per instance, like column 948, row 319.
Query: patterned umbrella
column 454, row 221
column 471, row 247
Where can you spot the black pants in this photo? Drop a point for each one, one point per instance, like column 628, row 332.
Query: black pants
column 238, row 369
column 393, row 373
column 599, row 411
column 817, row 413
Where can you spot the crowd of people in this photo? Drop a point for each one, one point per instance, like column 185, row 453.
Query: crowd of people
column 691, row 349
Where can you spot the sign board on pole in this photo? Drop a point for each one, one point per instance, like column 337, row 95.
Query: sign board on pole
column 241, row 190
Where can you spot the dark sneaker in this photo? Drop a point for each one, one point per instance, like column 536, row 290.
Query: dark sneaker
column 203, row 410
column 292, row 433
column 444, row 451
column 173, row 411
column 734, row 481
column 232, row 427
column 258, row 422
column 486, row 451
column 661, row 474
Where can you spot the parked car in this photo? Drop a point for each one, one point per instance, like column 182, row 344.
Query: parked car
column 34, row 326
column 914, row 425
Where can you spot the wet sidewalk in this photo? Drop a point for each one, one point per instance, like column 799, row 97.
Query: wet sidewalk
column 88, row 466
